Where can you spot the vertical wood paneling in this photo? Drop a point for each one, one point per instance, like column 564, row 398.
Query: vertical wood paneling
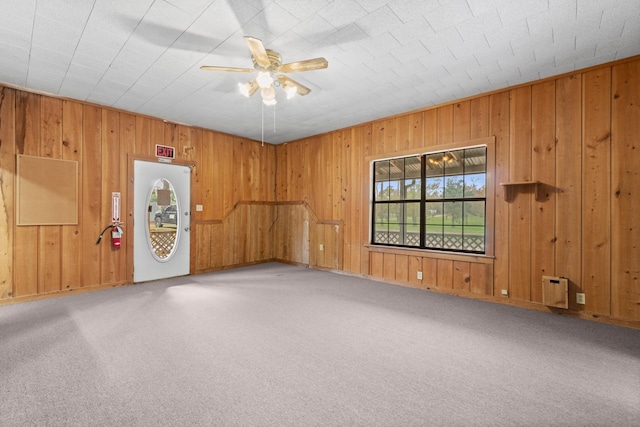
column 462, row 121
column 429, row 272
column 225, row 151
column 500, row 120
column 430, row 127
column 403, row 126
column 210, row 176
column 111, row 261
column 91, row 194
column 445, row 124
column 596, row 178
column 402, row 268
column 328, row 182
column 282, row 219
column 49, row 241
column 252, row 187
column 228, row 236
column 543, row 169
column 318, row 177
column 416, row 130
column 267, row 177
column 7, row 182
column 335, row 231
column 377, row 264
column 360, row 177
column 415, row 265
column 480, row 114
column 337, row 162
column 383, row 136
column 389, row 267
column 237, row 171
column 26, row 237
column 625, row 214
column 409, row 131
column 520, row 208
column 348, row 201
column 321, row 245
column 282, row 158
column 444, row 273
column 143, row 136
column 365, row 195
column 481, row 278
column 127, row 127
column 72, row 234
column 267, row 243
column 203, row 246
column 299, row 170
column 200, row 191
column 156, row 132
column 46, row 259
column 461, row 275
column 217, row 238
column 569, row 182
column 188, row 141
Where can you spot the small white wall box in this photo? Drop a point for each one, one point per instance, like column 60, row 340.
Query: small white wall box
column 555, row 291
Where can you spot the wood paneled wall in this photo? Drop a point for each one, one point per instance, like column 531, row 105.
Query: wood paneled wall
column 37, row 260
column 577, row 134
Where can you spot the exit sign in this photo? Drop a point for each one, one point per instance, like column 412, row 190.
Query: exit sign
column 165, row 151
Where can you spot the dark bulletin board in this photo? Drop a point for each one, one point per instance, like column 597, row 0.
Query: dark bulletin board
column 46, row 191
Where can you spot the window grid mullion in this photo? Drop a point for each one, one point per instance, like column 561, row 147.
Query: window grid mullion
column 404, row 203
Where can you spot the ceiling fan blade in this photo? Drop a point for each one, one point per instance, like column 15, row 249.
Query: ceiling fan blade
column 307, row 65
column 234, row 69
column 258, row 51
column 301, row 89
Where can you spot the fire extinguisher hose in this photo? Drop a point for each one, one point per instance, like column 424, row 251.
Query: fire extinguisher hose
column 102, row 233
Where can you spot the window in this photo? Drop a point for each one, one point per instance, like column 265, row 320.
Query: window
column 432, row 201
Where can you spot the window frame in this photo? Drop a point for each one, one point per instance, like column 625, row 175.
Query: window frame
column 489, row 198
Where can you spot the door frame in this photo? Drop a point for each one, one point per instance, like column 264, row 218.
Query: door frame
column 128, row 223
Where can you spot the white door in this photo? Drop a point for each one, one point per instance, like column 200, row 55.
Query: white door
column 161, row 220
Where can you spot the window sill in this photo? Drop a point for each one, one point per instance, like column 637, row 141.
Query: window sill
column 425, row 253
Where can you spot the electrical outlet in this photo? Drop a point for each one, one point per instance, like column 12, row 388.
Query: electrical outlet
column 321, row 247
column 198, row 208
column 419, row 275
column 505, row 292
column 580, row 298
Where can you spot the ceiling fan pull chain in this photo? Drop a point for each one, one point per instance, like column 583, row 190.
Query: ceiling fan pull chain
column 262, row 105
column 274, row 119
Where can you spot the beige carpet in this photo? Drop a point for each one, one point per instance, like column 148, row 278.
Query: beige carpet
column 278, row 345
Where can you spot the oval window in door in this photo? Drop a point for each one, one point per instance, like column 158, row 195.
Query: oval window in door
column 163, row 226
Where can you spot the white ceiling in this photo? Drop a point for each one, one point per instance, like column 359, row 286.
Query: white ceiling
column 385, row 56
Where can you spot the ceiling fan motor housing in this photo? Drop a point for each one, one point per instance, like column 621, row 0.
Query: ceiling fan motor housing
column 275, row 60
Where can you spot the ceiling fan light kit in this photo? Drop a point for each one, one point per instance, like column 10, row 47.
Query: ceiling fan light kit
column 248, row 88
column 268, row 95
column 264, row 79
column 268, row 62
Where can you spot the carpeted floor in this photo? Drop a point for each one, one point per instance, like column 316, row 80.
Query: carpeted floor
column 278, row 345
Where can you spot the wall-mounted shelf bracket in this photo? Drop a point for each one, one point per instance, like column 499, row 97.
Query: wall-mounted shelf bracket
column 511, row 187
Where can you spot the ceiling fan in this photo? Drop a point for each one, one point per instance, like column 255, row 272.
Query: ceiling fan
column 268, row 62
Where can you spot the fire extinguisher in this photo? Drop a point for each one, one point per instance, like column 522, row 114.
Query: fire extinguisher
column 116, row 235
